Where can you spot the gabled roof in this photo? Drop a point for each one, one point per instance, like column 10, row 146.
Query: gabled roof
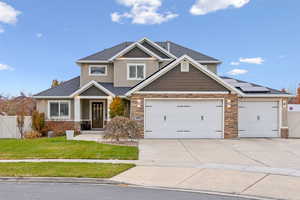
column 68, row 88
column 65, row 89
column 136, row 44
column 167, row 68
column 168, row 47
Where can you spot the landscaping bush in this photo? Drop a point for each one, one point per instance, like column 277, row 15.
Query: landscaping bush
column 122, row 128
column 38, row 122
column 32, row 134
column 117, row 107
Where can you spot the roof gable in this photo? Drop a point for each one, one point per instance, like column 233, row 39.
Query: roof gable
column 93, row 91
column 155, row 76
column 193, row 80
column 136, row 52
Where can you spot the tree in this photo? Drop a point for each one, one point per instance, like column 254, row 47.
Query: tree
column 117, row 107
column 20, row 123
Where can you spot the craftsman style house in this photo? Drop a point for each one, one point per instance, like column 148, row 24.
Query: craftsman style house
column 174, row 91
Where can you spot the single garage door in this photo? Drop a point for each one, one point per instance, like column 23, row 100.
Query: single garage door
column 183, row 118
column 258, row 119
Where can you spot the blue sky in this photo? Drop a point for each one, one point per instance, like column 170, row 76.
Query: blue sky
column 41, row 40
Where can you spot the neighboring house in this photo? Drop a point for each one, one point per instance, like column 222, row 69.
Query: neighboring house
column 174, row 91
column 296, row 99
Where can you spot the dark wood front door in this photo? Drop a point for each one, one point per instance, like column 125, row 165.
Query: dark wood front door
column 97, row 114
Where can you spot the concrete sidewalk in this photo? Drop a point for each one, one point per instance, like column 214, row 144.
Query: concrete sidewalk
column 215, row 180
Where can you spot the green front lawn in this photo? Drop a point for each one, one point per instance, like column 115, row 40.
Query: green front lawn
column 88, row 170
column 61, row 148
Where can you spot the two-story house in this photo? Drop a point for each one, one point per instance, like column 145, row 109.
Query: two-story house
column 174, row 91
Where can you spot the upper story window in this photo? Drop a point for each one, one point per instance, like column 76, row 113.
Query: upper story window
column 97, row 70
column 59, row 110
column 136, row 71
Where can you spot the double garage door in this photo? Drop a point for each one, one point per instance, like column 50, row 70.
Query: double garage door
column 175, row 118
column 184, row 119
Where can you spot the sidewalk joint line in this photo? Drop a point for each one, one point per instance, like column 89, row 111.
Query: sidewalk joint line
column 188, row 177
column 188, row 151
column 253, row 184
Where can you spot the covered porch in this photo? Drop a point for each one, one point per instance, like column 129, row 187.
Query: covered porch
column 92, row 113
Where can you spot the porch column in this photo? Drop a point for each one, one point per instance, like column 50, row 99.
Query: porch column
column 77, row 109
column 109, row 100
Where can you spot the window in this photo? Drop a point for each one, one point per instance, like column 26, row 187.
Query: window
column 59, row 109
column 98, row 70
column 136, row 71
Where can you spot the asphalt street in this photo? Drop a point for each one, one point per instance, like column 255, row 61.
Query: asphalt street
column 62, row 191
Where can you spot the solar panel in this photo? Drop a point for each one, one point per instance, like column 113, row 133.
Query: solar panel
column 229, row 80
column 242, row 85
column 255, row 89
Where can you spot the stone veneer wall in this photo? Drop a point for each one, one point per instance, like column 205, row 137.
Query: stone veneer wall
column 231, row 113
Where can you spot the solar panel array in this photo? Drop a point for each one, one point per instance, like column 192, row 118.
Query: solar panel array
column 246, row 87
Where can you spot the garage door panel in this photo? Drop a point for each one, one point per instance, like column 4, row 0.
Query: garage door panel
column 183, row 119
column 258, row 119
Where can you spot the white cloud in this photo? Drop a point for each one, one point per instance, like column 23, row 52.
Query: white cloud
column 235, row 63
column 39, row 35
column 5, row 67
column 235, row 72
column 257, row 60
column 8, row 14
column 115, row 17
column 143, row 12
column 202, row 7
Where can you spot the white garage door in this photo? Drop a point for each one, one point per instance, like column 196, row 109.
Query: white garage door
column 258, row 119
column 183, row 119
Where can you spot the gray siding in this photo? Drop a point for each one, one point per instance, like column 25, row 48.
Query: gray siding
column 175, row 80
column 136, row 53
column 120, row 72
column 85, row 77
column 93, row 91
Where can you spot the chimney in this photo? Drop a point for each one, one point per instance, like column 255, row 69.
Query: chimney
column 168, row 46
column 298, row 94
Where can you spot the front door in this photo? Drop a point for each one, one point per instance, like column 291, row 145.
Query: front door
column 97, row 114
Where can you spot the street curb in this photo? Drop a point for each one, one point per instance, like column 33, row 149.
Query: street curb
column 60, row 180
column 103, row 181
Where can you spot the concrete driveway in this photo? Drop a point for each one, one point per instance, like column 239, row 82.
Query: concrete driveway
column 253, row 167
column 274, row 153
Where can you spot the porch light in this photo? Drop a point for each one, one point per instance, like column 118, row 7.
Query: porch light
column 284, row 104
column 228, row 103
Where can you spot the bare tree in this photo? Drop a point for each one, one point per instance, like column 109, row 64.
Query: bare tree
column 20, row 123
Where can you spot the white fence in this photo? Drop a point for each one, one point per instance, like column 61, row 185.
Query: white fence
column 294, row 120
column 9, row 129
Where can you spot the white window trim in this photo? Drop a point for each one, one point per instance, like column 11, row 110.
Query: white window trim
column 59, row 117
column 136, row 79
column 105, row 66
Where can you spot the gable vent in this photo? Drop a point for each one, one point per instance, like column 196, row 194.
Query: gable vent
column 185, row 67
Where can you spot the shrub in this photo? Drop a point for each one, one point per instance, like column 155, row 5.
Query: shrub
column 122, row 127
column 38, row 121
column 117, row 107
column 32, row 134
